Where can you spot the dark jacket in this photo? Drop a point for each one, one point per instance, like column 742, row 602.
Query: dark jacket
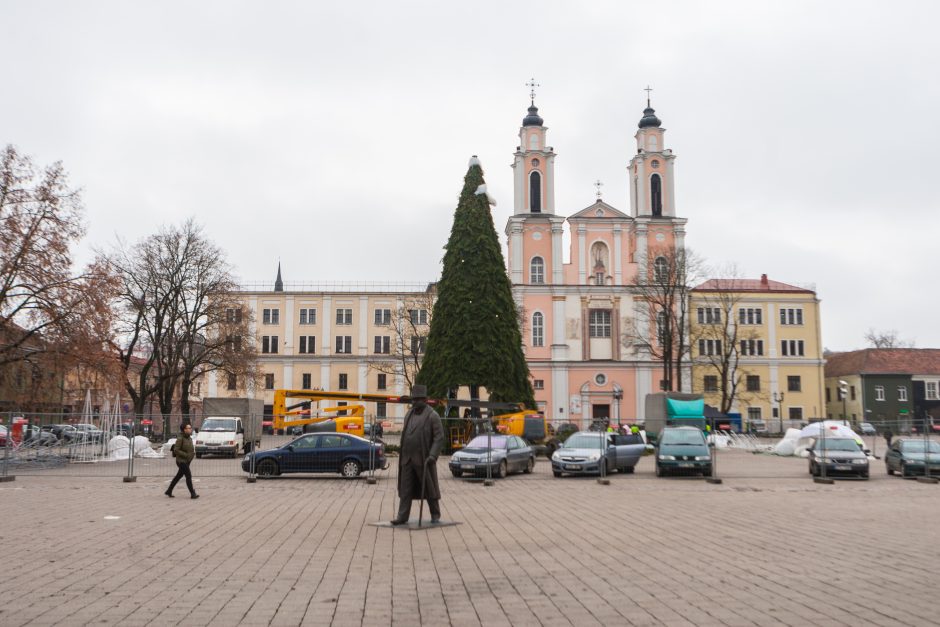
column 185, row 451
column 422, row 438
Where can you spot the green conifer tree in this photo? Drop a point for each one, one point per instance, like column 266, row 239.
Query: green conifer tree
column 475, row 338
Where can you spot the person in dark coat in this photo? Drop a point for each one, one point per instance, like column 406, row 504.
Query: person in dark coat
column 422, row 438
column 184, row 452
column 888, row 436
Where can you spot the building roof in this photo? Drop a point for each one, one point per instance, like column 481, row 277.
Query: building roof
column 868, row 361
column 763, row 284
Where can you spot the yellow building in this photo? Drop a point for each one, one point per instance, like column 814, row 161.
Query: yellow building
column 354, row 337
column 756, row 348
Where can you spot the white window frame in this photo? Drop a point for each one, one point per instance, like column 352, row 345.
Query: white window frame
column 879, row 392
column 382, row 345
column 930, row 390
column 344, row 316
column 708, row 348
column 308, row 315
column 537, row 271
column 344, row 345
column 383, row 317
column 751, row 316
column 538, row 384
column 538, row 329
column 791, row 316
column 792, row 348
column 418, row 316
column 902, row 393
column 599, row 323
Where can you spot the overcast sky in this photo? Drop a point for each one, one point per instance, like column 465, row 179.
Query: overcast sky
column 335, row 137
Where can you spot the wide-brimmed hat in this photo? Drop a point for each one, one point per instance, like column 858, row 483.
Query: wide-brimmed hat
column 419, row 391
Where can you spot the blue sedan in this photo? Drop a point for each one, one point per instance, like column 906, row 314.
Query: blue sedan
column 342, row 453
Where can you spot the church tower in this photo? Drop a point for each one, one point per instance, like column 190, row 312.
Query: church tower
column 534, row 231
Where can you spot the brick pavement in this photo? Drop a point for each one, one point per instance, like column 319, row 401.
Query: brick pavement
column 766, row 547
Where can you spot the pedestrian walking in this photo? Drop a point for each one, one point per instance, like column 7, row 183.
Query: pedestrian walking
column 422, row 438
column 888, row 436
column 184, row 452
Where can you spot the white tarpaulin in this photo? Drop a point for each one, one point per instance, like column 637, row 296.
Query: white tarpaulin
column 119, row 445
column 834, row 429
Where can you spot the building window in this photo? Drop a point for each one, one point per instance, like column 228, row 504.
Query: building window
column 538, row 384
column 538, row 329
column 537, row 271
column 344, row 344
column 418, row 343
column 381, row 409
column 709, row 347
column 418, row 316
column 656, row 195
column 931, row 390
column 750, row 315
column 753, row 383
column 308, row 316
column 232, row 383
column 828, row 396
column 269, row 381
column 796, row 413
column 308, row 344
column 233, row 315
column 271, row 316
column 879, row 392
column 599, row 323
column 380, row 384
column 791, row 348
column 233, row 343
column 711, row 383
column 753, row 413
column 343, row 381
column 305, row 381
column 852, row 392
column 791, row 316
column 535, row 192
column 383, row 344
column 662, row 326
column 794, row 384
column 752, row 347
column 902, row 393
column 661, row 270
column 269, row 344
column 709, row 315
column 383, row 317
column 344, row 316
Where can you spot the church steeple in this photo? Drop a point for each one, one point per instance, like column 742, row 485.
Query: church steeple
column 278, row 283
column 534, row 164
column 651, row 169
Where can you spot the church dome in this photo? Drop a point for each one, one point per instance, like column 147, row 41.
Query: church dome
column 533, row 119
column 649, row 119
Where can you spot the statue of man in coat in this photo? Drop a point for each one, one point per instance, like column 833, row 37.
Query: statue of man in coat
column 422, row 439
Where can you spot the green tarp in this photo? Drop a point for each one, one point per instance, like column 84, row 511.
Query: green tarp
column 685, row 409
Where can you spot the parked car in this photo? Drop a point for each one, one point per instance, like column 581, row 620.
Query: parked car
column 84, row 432
column 910, row 457
column 867, row 428
column 585, row 451
column 346, row 454
column 3, row 435
column 839, row 456
column 683, row 450
column 38, row 437
column 502, row 454
column 379, row 430
column 58, row 430
column 757, row 426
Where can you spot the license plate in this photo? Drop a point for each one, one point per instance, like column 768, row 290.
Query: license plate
column 843, row 467
column 685, row 464
column 468, row 466
column 572, row 466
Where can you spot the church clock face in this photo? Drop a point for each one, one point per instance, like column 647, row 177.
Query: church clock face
column 536, row 236
column 535, row 163
column 660, row 237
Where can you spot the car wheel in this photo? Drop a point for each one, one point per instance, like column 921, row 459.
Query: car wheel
column 707, row 473
column 530, row 466
column 629, row 470
column 267, row 468
column 903, row 471
column 889, row 468
column 502, row 469
column 864, row 476
column 351, row 469
column 557, row 473
column 198, row 455
column 659, row 471
column 456, row 473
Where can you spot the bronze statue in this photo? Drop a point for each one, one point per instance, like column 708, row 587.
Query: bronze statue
column 422, row 439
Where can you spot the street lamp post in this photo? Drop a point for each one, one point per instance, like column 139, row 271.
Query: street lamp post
column 844, row 391
column 778, row 399
column 618, row 396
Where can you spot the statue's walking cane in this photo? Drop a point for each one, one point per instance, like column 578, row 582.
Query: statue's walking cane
column 424, row 477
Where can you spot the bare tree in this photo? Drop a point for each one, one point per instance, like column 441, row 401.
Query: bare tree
column 722, row 338
column 408, row 328
column 41, row 297
column 662, row 298
column 887, row 339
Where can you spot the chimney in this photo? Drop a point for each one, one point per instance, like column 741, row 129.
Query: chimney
column 763, row 281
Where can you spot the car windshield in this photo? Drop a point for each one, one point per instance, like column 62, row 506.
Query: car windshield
column 498, row 441
column 583, row 441
column 683, row 438
column 913, row 446
column 219, row 424
column 837, row 444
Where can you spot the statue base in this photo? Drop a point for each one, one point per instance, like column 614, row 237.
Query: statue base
column 412, row 525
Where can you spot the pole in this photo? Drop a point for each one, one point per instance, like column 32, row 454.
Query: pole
column 714, row 479
column 371, row 479
column 489, row 456
column 130, row 478
column 256, row 428
column 602, row 460
column 6, row 451
column 926, row 478
column 822, row 478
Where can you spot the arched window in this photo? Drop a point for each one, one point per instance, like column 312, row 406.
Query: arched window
column 661, row 270
column 537, row 271
column 535, row 192
column 656, row 195
column 538, row 329
column 662, row 327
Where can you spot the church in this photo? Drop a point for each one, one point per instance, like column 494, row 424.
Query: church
column 587, row 347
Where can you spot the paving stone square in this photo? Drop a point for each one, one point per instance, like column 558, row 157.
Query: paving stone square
column 766, row 547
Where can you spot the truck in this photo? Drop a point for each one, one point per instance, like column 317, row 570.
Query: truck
column 529, row 425
column 673, row 409
column 294, row 408
column 230, row 426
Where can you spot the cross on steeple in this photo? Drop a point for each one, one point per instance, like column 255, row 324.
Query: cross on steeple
column 648, row 90
column 531, row 84
column 597, row 186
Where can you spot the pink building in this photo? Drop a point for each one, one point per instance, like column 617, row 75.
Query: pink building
column 586, row 333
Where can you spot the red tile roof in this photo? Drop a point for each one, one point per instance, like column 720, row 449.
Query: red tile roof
column 912, row 361
column 763, row 284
